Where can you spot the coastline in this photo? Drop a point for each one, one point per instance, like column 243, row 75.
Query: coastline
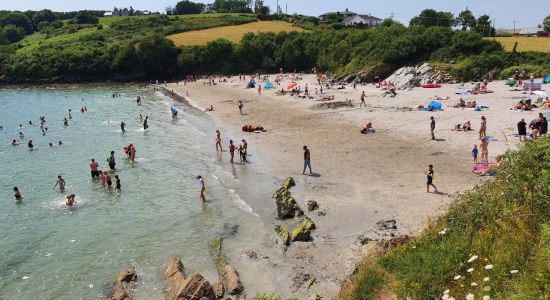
column 362, row 179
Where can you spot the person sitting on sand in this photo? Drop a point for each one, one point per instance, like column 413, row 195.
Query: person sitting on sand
column 441, row 98
column 211, row 108
column 520, row 105
column 71, row 200
column 472, row 104
column 545, row 104
column 327, row 98
column 367, row 128
column 461, row 103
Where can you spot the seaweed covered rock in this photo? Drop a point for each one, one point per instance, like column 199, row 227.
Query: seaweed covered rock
column 287, row 207
column 288, row 183
column 302, row 232
column 312, row 205
column 283, row 233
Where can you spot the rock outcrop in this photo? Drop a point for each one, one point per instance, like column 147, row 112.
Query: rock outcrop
column 283, row 234
column 219, row 291
column 302, row 232
column 122, row 284
column 312, row 205
column 195, row 287
column 287, row 207
column 410, row 77
column 231, row 281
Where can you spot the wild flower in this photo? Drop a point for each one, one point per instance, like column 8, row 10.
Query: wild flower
column 513, row 271
column 446, row 292
column 485, row 279
column 486, row 297
column 470, row 296
column 470, row 270
column 472, row 258
column 443, row 232
column 488, row 267
column 473, row 284
column 457, row 277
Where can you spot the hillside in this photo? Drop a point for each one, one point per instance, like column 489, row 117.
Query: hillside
column 538, row 44
column 232, row 33
column 494, row 242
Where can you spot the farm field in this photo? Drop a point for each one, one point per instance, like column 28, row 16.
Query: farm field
column 540, row 44
column 231, row 33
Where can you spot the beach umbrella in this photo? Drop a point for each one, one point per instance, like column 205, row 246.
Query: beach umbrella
column 540, row 93
column 291, row 85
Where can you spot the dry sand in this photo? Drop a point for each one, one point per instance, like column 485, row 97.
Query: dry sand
column 361, row 179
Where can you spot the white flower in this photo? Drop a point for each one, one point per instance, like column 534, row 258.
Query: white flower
column 513, row 271
column 485, row 279
column 457, row 277
column 445, row 297
column 472, row 258
column 473, row 284
column 446, row 292
column 443, row 231
column 486, row 297
column 470, row 270
column 488, row 267
column 470, row 296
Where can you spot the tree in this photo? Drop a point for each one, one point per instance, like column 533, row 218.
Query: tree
column 86, row 17
column 18, row 20
column 12, row 34
column 484, row 26
column 389, row 22
column 44, row 15
column 430, row 17
column 232, row 6
column 546, row 23
column 157, row 56
column 187, row 7
column 466, row 20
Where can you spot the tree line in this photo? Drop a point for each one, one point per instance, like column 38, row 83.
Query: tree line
column 187, row 7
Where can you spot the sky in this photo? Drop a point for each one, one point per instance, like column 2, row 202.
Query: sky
column 526, row 13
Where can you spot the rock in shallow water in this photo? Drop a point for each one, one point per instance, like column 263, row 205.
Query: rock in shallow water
column 231, row 280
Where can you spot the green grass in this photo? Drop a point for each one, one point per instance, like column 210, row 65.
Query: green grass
column 538, row 44
column 505, row 223
column 108, row 21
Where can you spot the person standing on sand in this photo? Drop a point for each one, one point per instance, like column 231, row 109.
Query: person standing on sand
column 430, row 175
column 203, row 188
column 241, row 105
column 363, row 104
column 231, row 150
column 218, row 140
column 475, row 151
column 522, row 130
column 307, row 160
column 484, row 150
column 483, row 128
column 432, row 127
column 93, row 169
column 259, row 89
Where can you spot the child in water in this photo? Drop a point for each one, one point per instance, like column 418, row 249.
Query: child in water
column 60, row 182
column 203, row 188
column 71, row 200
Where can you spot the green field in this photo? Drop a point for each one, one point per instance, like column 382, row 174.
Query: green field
column 539, row 44
column 231, row 33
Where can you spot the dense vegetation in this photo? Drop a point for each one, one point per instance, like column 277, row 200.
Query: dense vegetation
column 494, row 241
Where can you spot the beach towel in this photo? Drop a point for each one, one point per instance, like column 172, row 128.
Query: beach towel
column 527, row 86
column 546, row 79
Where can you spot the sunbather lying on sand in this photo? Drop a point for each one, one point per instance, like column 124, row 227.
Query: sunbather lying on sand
column 253, row 128
column 461, row 103
column 467, row 126
column 327, row 98
column 441, row 98
column 472, row 104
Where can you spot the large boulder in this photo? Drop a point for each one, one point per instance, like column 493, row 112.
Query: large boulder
column 218, row 289
column 312, row 205
column 302, row 232
column 288, row 183
column 283, row 233
column 231, row 281
column 195, row 287
column 122, row 284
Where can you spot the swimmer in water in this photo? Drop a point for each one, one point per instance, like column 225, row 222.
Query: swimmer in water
column 117, row 183
column 145, row 126
column 122, row 126
column 203, row 188
column 108, row 179
column 65, row 122
column 218, row 140
column 71, row 200
column 30, row 145
column 60, row 143
column 18, row 196
column 50, row 144
column 111, row 160
column 60, row 182
column 14, row 143
column 21, row 135
column 132, row 152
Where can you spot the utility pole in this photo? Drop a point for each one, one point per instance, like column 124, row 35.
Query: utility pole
column 514, row 27
column 286, row 9
column 277, row 6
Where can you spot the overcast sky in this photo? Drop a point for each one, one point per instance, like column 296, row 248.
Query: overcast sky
column 526, row 13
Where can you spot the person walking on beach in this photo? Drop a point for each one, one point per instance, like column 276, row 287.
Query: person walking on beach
column 111, row 160
column 203, row 188
column 484, row 150
column 307, row 160
column 432, row 127
column 483, row 128
column 123, row 126
column 430, row 175
column 18, row 196
column 363, row 104
column 522, row 130
column 93, row 169
column 241, row 105
column 218, row 140
column 231, row 150
column 60, row 182
column 475, row 151
column 145, row 126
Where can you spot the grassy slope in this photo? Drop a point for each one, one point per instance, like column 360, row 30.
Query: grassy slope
column 231, row 33
column 538, row 44
column 107, row 21
column 504, row 222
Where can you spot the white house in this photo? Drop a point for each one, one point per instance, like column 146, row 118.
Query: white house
column 365, row 20
column 342, row 14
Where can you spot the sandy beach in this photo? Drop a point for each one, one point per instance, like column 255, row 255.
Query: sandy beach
column 360, row 179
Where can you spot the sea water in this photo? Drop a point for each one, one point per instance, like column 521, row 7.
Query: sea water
column 51, row 251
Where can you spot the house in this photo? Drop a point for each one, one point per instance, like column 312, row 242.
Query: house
column 125, row 12
column 341, row 14
column 536, row 31
column 362, row 20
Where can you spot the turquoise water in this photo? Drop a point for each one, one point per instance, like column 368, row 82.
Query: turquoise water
column 49, row 251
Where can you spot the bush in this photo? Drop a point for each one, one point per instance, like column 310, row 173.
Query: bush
column 12, row 34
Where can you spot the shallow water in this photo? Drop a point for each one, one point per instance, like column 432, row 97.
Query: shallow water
column 50, row 251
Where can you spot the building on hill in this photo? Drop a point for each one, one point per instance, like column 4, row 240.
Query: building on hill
column 362, row 20
column 342, row 14
column 536, row 31
column 125, row 12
